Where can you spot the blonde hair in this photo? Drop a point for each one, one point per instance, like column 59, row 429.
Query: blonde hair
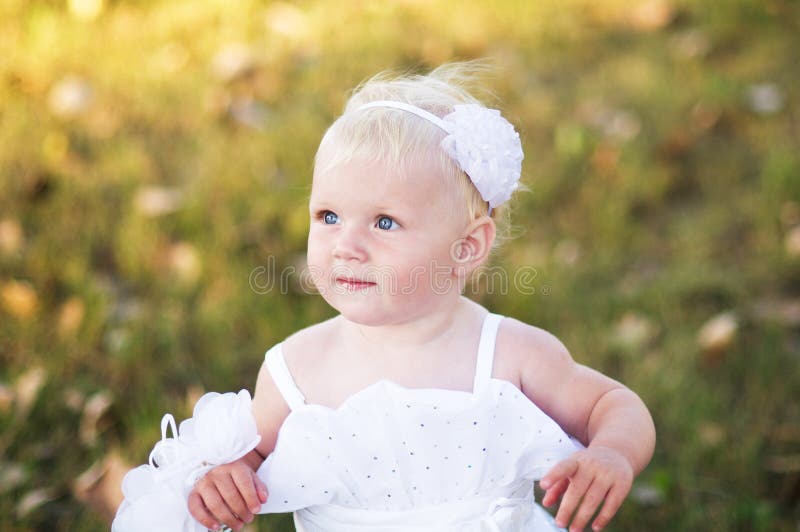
column 400, row 139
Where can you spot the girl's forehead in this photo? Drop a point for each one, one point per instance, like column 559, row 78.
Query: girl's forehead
column 376, row 178
column 379, row 160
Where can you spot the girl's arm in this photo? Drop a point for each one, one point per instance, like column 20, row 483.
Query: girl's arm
column 232, row 494
column 620, row 420
column 608, row 418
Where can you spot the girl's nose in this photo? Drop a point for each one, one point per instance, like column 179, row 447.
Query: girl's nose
column 349, row 244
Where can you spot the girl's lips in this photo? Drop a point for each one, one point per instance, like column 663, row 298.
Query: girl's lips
column 354, row 283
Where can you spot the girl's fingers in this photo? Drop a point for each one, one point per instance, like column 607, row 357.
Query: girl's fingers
column 261, row 488
column 246, row 488
column 589, row 504
column 578, row 485
column 613, row 501
column 200, row 512
column 563, row 469
column 554, row 493
column 220, row 510
column 233, row 498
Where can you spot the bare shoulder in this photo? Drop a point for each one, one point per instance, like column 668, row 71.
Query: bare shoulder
column 527, row 348
column 269, row 406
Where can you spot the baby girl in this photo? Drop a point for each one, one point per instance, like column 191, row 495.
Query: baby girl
column 414, row 408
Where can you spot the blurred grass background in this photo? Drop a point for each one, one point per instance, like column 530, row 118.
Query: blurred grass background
column 154, row 154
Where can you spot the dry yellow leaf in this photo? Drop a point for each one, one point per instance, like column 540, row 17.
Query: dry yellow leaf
column 32, row 500
column 70, row 316
column 6, row 398
column 10, row 236
column 19, row 298
column 74, row 399
column 652, row 15
column 94, row 409
column 100, row 486
column 184, row 261
column 634, row 331
column 86, row 9
column 11, row 476
column 792, row 242
column 27, row 389
column 717, row 335
column 287, row 20
column 153, row 201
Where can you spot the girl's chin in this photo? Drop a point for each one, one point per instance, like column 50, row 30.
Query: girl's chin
column 367, row 321
column 365, row 316
column 371, row 314
column 379, row 314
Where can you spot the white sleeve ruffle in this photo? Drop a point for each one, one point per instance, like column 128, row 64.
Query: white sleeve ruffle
column 221, row 430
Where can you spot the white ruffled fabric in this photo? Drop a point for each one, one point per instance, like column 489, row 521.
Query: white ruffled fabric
column 221, row 430
column 487, row 148
column 392, row 458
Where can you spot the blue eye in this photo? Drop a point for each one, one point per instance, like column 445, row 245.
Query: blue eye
column 330, row 217
column 386, row 223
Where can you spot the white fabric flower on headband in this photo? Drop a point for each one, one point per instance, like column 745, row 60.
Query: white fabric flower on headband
column 487, row 148
column 482, row 142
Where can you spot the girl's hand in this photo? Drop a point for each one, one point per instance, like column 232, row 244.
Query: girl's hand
column 589, row 477
column 229, row 494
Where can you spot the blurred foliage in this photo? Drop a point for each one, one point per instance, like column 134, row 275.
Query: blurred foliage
column 154, row 155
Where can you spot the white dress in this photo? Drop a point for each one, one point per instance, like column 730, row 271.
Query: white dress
column 392, row 458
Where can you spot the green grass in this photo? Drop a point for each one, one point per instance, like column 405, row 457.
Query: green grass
column 658, row 191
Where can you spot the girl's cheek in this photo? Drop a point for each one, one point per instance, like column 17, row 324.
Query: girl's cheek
column 413, row 279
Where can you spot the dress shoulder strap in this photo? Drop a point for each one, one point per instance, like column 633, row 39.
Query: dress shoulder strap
column 276, row 365
column 483, row 368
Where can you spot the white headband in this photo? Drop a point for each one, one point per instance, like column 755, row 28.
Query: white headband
column 482, row 142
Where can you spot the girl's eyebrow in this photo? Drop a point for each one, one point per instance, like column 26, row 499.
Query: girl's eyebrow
column 319, row 202
column 393, row 205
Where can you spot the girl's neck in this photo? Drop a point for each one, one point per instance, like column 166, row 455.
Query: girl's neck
column 414, row 336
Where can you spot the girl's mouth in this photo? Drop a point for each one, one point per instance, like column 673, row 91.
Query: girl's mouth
column 354, row 284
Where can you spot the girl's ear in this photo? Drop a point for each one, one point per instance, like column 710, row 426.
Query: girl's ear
column 472, row 250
